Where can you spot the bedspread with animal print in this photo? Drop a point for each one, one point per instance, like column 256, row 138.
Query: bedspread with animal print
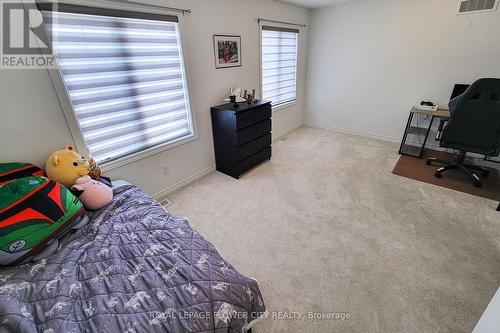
column 133, row 268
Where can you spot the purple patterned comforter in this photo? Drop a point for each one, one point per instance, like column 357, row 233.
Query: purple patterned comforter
column 133, row 268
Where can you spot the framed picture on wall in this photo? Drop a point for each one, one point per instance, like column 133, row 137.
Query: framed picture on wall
column 227, row 51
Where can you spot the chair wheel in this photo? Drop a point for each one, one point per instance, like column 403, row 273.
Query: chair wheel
column 478, row 184
column 428, row 162
column 438, row 175
column 485, row 174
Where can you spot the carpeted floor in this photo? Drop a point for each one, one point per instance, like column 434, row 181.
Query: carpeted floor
column 326, row 228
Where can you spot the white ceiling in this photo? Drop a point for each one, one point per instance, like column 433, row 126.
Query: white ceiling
column 313, row 3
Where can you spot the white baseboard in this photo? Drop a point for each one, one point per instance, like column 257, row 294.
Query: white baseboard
column 162, row 194
column 349, row 131
column 285, row 132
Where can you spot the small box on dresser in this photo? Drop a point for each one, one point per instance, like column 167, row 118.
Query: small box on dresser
column 242, row 136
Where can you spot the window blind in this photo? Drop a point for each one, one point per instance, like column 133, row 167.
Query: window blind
column 124, row 75
column 279, row 64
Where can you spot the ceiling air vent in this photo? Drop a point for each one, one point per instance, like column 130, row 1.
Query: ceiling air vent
column 474, row 6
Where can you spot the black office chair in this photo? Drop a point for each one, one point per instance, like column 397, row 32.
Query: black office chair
column 474, row 127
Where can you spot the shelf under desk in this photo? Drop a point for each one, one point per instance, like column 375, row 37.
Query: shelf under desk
column 416, row 149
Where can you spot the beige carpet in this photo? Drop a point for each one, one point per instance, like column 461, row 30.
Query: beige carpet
column 326, row 227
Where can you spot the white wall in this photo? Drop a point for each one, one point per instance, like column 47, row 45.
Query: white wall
column 371, row 60
column 32, row 124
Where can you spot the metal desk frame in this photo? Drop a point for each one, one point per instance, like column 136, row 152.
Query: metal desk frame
column 442, row 114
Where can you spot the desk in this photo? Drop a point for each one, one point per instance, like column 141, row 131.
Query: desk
column 416, row 149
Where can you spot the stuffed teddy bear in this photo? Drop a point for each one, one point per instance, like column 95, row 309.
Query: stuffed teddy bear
column 93, row 194
column 66, row 166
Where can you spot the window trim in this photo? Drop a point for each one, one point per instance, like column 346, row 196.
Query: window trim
column 279, row 27
column 67, row 107
column 285, row 105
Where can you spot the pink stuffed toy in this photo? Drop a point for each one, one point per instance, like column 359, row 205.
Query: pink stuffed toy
column 93, row 194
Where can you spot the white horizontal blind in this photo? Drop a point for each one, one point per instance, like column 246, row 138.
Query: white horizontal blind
column 279, row 64
column 124, row 76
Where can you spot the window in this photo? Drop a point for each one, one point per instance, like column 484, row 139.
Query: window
column 124, row 75
column 279, row 64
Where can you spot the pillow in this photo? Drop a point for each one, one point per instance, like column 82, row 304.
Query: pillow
column 34, row 213
column 11, row 171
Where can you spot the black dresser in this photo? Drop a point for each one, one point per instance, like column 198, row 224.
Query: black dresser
column 242, row 136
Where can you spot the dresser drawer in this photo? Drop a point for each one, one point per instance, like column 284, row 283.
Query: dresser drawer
column 253, row 132
column 254, row 160
column 252, row 117
column 253, row 147
column 242, row 136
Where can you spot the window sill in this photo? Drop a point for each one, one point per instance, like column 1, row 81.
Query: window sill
column 115, row 164
column 284, row 106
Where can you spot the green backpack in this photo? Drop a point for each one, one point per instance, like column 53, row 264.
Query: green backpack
column 34, row 213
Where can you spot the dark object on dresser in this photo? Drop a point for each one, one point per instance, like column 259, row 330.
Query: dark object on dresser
column 242, row 136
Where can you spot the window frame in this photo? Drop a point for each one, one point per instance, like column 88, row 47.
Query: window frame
column 70, row 115
column 261, row 88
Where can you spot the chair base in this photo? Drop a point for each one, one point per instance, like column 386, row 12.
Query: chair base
column 460, row 164
column 498, row 209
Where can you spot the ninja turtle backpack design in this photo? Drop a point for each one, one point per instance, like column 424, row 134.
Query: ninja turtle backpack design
column 34, row 213
column 10, row 171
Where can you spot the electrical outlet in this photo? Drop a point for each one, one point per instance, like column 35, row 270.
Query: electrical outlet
column 166, row 170
column 165, row 202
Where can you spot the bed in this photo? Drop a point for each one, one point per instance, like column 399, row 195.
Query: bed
column 133, row 268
